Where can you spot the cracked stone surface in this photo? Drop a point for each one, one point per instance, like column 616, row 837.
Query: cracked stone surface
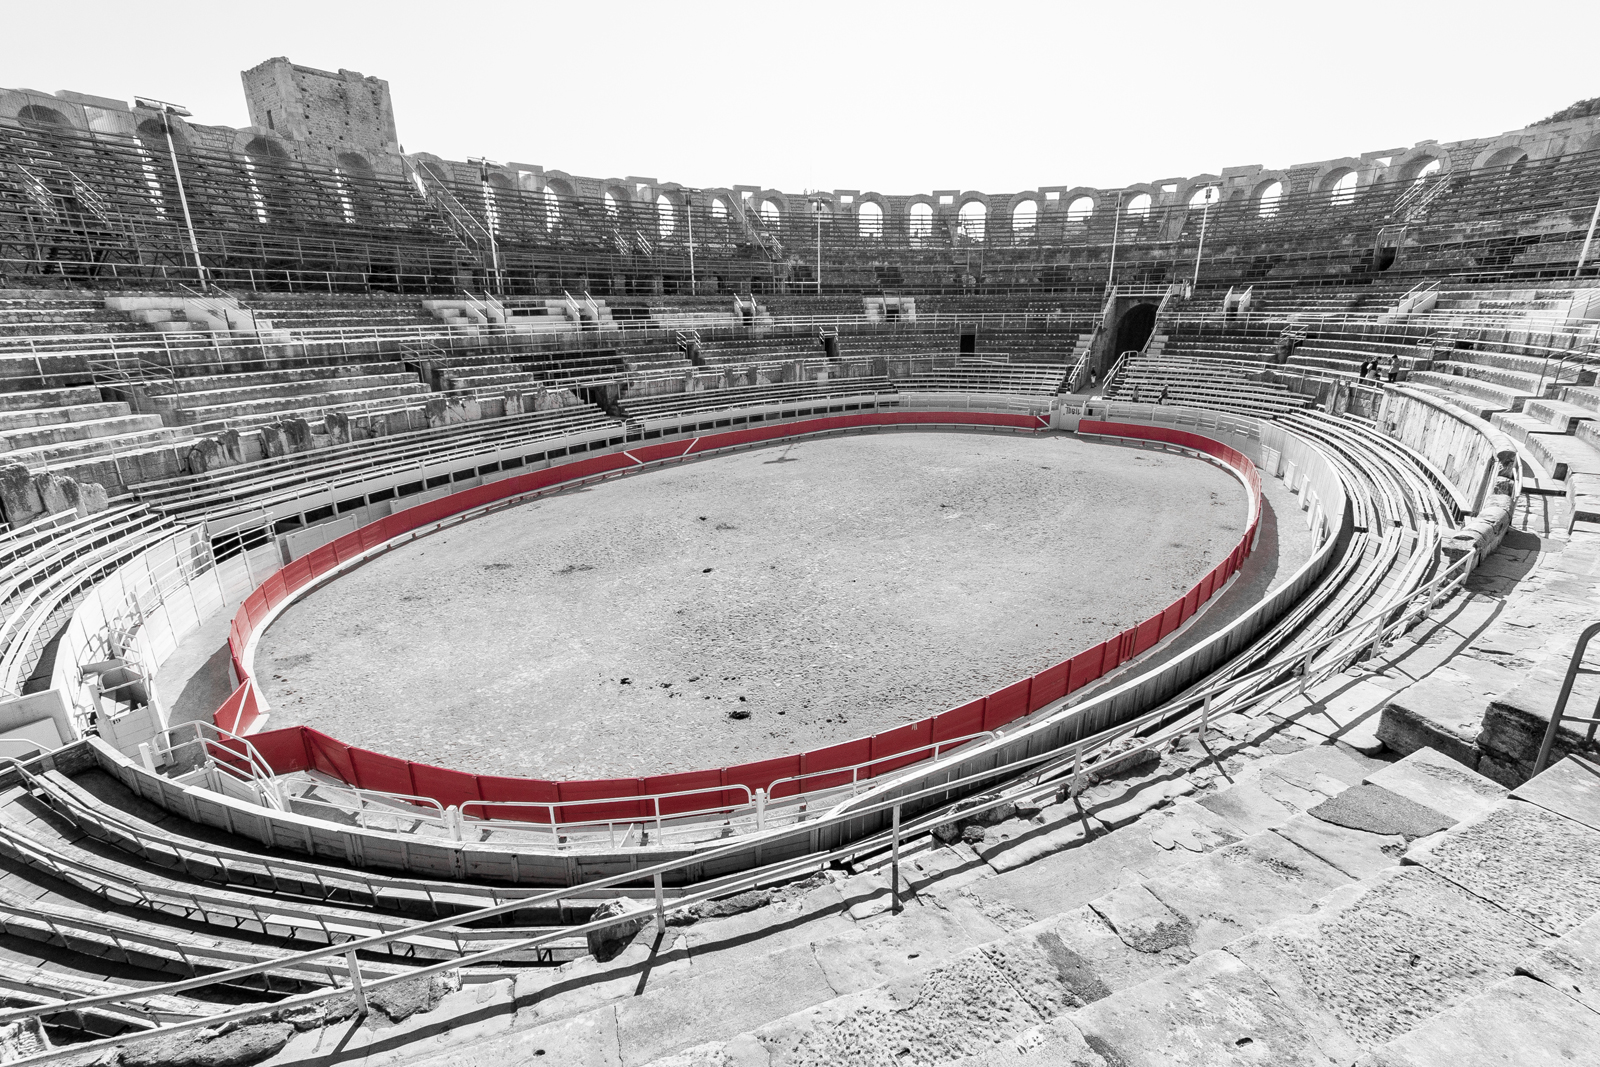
column 1540, row 866
column 1378, row 811
column 1217, row 1010
column 1380, row 957
column 1571, row 963
column 1518, row 1021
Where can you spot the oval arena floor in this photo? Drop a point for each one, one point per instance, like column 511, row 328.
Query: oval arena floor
column 830, row 588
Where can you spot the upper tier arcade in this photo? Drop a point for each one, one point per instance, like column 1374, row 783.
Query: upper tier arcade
column 89, row 191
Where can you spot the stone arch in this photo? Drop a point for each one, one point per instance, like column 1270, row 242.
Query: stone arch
column 920, row 211
column 1504, row 153
column 1079, row 205
column 869, row 219
column 1267, row 197
column 1592, row 144
column 777, row 199
column 499, row 182
column 1330, row 173
column 1409, row 165
column 1138, row 202
column 1023, row 212
column 266, row 150
column 354, row 164
column 40, row 115
column 972, row 216
column 666, row 214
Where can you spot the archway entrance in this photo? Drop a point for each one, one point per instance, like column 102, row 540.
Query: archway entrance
column 1133, row 329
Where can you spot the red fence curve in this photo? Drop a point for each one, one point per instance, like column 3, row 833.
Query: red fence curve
column 299, row 748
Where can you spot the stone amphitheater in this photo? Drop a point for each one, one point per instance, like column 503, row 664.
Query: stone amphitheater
column 1334, row 801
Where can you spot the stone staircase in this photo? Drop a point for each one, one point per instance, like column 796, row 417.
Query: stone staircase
column 1317, row 908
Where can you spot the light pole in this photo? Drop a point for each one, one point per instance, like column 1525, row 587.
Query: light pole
column 1205, row 214
column 818, row 205
column 489, row 218
column 167, row 110
column 688, row 215
column 1588, row 239
column 1116, row 227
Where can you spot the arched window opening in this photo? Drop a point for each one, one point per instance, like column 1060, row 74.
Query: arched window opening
column 921, row 221
column 1204, row 197
column 1080, row 209
column 611, row 207
column 258, row 203
column 869, row 220
column 552, row 208
column 667, row 213
column 973, row 218
column 261, row 150
column 1267, row 202
column 1433, row 168
column 1024, row 217
column 770, row 215
column 1343, row 191
column 1139, row 206
column 719, row 210
column 39, row 115
column 341, row 190
column 355, row 165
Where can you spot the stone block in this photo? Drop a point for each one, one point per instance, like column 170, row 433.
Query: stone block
column 57, row 493
column 92, row 497
column 1382, row 953
column 1571, row 963
column 1518, row 718
column 1517, row 1021
column 19, row 496
column 1430, row 778
column 1445, row 710
column 1375, row 810
column 1570, row 788
column 1527, row 861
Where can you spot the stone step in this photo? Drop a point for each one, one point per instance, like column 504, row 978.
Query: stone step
column 1559, row 415
column 44, row 436
column 113, row 450
column 43, row 398
column 316, row 372
column 31, row 417
column 287, row 390
column 1484, row 396
column 301, row 403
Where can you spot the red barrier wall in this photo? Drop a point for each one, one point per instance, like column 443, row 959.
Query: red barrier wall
column 302, row 748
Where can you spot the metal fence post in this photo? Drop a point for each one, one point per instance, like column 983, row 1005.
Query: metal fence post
column 355, row 983
column 894, row 863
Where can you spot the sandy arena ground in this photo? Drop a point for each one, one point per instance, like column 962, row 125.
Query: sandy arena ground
column 831, row 589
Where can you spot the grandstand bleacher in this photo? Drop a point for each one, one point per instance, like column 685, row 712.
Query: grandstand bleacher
column 1296, row 820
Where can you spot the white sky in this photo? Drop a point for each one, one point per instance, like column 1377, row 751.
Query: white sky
column 894, row 97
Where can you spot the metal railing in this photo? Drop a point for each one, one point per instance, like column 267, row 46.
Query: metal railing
column 1559, row 712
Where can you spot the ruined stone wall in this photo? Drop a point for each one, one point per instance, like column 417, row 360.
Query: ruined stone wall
column 340, row 114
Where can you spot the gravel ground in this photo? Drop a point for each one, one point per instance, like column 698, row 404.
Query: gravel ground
column 830, row 589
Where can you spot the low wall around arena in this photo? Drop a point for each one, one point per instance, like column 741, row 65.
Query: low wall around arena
column 303, row 748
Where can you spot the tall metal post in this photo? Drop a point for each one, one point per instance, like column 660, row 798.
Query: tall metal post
column 688, row 214
column 817, row 205
column 894, row 863
column 167, row 111
column 489, row 225
column 1588, row 239
column 1205, row 214
column 1116, row 228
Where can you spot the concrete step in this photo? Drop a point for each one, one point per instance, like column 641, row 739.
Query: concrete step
column 1485, row 396
column 288, row 376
